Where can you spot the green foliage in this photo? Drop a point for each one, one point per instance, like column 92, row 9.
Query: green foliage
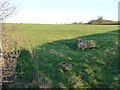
column 25, row 66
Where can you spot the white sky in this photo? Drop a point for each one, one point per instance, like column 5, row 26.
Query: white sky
column 63, row 11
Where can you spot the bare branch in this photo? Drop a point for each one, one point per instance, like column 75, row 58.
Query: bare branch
column 6, row 9
column 2, row 4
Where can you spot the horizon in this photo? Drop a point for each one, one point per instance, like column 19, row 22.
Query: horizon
column 58, row 23
column 61, row 12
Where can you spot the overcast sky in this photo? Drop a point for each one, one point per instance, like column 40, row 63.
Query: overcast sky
column 63, row 11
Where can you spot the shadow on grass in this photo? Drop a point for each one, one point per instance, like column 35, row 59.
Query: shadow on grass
column 91, row 67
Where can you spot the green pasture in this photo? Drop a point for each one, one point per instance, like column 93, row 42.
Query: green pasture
column 54, row 43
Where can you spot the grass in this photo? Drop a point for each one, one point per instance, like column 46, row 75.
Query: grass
column 56, row 43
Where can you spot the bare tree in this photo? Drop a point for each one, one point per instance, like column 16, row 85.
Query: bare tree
column 6, row 9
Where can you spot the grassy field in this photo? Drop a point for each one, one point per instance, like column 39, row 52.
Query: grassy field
column 44, row 46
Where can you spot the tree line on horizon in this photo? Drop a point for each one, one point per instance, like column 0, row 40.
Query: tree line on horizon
column 99, row 21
